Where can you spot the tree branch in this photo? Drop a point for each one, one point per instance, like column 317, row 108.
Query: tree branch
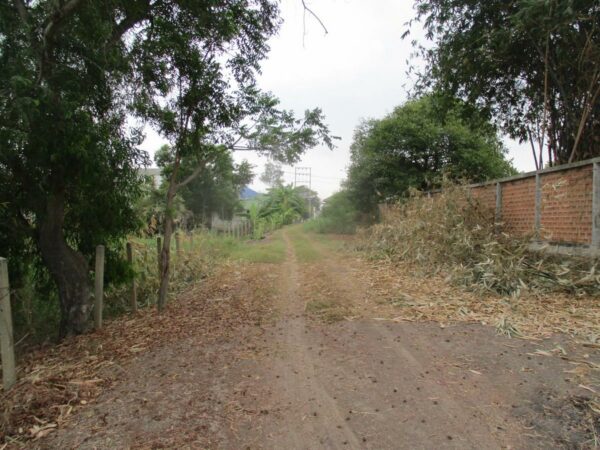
column 311, row 12
column 22, row 10
column 193, row 175
column 123, row 27
column 58, row 19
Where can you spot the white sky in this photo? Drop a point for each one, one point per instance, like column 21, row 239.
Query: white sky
column 356, row 71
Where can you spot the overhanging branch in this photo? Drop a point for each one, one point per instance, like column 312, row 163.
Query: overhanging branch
column 312, row 13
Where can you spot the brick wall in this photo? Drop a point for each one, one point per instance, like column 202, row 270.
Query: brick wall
column 486, row 194
column 566, row 203
column 566, row 207
column 565, row 211
column 518, row 206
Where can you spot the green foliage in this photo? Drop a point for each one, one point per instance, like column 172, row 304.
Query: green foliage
column 215, row 189
column 283, row 205
column 531, row 64
column 151, row 209
column 338, row 215
column 272, row 175
column 278, row 134
column 417, row 143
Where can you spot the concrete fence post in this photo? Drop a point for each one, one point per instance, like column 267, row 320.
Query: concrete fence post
column 133, row 299
column 99, row 287
column 538, row 206
column 498, row 215
column 7, row 344
column 596, row 207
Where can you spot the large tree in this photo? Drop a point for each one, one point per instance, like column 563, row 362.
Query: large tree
column 72, row 71
column 418, row 143
column 68, row 161
column 534, row 65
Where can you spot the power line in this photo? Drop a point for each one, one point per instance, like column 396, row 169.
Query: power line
column 317, row 176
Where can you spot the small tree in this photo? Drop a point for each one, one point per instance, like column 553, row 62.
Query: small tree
column 285, row 203
column 204, row 102
column 272, row 175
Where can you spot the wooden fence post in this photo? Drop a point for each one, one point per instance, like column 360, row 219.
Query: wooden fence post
column 192, row 240
column 7, row 345
column 99, row 287
column 133, row 299
column 596, row 206
column 158, row 251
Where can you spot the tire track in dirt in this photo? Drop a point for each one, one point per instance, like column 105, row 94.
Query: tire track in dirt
column 359, row 384
column 309, row 416
column 424, row 401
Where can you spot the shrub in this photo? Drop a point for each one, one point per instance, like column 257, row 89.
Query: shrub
column 337, row 216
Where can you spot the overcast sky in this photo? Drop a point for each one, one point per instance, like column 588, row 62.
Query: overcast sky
column 356, row 71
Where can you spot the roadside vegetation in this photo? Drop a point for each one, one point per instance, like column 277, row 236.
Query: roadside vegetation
column 453, row 234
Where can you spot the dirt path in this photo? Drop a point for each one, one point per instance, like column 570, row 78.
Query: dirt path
column 301, row 378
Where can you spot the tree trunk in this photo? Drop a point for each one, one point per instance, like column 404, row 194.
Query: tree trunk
column 68, row 268
column 165, row 259
column 165, row 254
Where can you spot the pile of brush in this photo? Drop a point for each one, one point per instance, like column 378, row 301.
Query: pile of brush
column 452, row 233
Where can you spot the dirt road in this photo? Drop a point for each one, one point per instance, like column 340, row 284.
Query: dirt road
column 316, row 367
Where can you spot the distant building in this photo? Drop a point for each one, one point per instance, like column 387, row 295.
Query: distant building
column 154, row 173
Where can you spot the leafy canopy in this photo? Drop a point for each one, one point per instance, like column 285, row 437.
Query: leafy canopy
column 285, row 204
column 533, row 65
column 414, row 145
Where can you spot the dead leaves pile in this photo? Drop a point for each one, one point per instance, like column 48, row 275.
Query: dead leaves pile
column 454, row 233
column 55, row 381
column 412, row 296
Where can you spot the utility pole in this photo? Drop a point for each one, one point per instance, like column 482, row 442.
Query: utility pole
column 303, row 177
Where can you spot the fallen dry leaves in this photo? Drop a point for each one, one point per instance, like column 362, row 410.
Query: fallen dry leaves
column 55, row 381
column 411, row 294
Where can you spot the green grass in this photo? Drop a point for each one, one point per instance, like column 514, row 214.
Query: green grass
column 270, row 250
column 302, row 243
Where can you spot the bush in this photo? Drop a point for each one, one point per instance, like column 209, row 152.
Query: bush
column 337, row 216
